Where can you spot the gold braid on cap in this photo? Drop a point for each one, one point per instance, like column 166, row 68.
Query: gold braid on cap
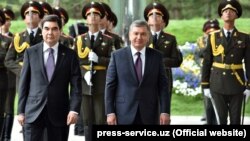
column 19, row 48
column 219, row 50
column 81, row 53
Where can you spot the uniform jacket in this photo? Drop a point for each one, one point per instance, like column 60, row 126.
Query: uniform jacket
column 235, row 51
column 124, row 94
column 103, row 46
column 118, row 42
column 4, row 46
column 172, row 56
column 14, row 58
column 35, row 91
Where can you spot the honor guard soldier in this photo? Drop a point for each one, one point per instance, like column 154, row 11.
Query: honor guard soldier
column 47, row 9
column 226, row 65
column 11, row 92
column 113, row 22
column 104, row 25
column 94, row 51
column 157, row 17
column 9, row 16
column 63, row 15
column 209, row 26
column 32, row 13
column 5, row 41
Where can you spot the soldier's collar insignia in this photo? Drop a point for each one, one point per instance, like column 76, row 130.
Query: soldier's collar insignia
column 239, row 42
column 166, row 42
column 104, row 44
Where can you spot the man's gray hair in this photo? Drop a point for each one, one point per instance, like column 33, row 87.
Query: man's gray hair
column 139, row 23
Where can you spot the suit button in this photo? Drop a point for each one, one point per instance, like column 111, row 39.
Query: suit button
column 232, row 73
column 232, row 55
column 224, row 73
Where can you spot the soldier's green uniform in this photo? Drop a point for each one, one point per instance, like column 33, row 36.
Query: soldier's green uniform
column 208, row 27
column 4, row 45
column 165, row 43
column 223, row 68
column 11, row 92
column 93, row 103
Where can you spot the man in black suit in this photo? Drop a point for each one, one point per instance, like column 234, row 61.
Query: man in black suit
column 44, row 100
column 136, row 90
column 226, row 65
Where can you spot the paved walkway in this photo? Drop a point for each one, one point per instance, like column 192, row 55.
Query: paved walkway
column 175, row 120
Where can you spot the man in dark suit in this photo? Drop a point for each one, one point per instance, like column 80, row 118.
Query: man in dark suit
column 157, row 17
column 44, row 100
column 224, row 77
column 136, row 89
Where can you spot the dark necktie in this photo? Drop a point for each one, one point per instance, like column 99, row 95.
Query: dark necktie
column 138, row 66
column 31, row 37
column 92, row 40
column 228, row 35
column 50, row 64
column 155, row 40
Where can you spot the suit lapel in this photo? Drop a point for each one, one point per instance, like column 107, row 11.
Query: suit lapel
column 148, row 64
column 41, row 59
column 131, row 63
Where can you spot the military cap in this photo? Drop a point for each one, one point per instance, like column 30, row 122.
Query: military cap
column 33, row 6
column 230, row 4
column 94, row 7
column 61, row 13
column 211, row 25
column 9, row 14
column 114, row 19
column 47, row 9
column 158, row 8
column 2, row 18
column 107, row 9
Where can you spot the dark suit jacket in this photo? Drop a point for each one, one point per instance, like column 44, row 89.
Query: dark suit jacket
column 36, row 91
column 124, row 95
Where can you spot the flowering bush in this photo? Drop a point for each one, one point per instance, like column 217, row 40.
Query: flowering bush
column 187, row 76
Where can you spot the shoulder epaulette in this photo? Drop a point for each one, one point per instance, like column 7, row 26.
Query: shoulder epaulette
column 243, row 32
column 107, row 35
column 164, row 32
column 84, row 34
column 66, row 36
column 216, row 31
column 6, row 36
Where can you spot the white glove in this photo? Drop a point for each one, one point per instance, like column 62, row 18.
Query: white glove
column 87, row 77
column 247, row 94
column 207, row 93
column 93, row 57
